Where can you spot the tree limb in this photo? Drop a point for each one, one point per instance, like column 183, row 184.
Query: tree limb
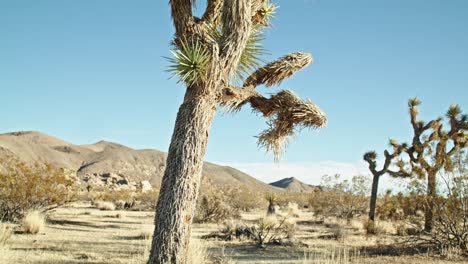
column 277, row 71
column 182, row 16
column 286, row 113
column 236, row 20
column 212, row 13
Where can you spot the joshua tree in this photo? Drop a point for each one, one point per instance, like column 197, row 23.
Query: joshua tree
column 370, row 157
column 432, row 150
column 271, row 199
column 211, row 55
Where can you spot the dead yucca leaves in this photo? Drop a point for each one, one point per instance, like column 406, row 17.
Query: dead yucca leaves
column 287, row 112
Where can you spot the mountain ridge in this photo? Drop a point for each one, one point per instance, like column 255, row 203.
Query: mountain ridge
column 110, row 158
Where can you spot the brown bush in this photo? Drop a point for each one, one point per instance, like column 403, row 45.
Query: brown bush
column 340, row 198
column 24, row 187
column 372, row 227
column 212, row 208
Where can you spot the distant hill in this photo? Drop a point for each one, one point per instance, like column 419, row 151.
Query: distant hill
column 104, row 159
column 294, row 185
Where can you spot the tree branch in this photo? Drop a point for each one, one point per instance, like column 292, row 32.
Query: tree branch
column 236, row 20
column 277, row 71
column 286, row 112
column 213, row 12
column 182, row 16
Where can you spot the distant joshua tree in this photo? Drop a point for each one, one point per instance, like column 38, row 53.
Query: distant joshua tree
column 211, row 55
column 431, row 150
column 370, row 157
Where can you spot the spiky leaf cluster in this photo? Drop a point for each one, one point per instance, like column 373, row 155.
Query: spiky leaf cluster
column 190, row 62
column 264, row 14
column 251, row 55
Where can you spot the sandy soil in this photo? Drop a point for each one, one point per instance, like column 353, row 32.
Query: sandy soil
column 82, row 234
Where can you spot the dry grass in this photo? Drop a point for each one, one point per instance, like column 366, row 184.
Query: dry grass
column 75, row 237
column 33, row 222
column 335, row 255
column 5, row 234
column 105, row 206
column 198, row 252
column 293, row 210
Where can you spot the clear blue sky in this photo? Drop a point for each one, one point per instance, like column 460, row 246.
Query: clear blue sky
column 90, row 70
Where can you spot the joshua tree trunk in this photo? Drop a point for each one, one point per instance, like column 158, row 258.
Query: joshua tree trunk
column 180, row 184
column 431, row 195
column 373, row 198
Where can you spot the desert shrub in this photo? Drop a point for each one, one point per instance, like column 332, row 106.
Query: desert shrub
column 301, row 199
column 339, row 233
column 126, row 199
column 265, row 230
column 373, row 227
column 293, row 210
column 400, row 206
column 146, row 200
column 450, row 228
column 272, row 230
column 24, row 187
column 212, row 208
column 105, row 205
column 400, row 228
column 33, row 222
column 341, row 198
column 242, row 199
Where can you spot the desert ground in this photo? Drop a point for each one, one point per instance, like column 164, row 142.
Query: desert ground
column 80, row 233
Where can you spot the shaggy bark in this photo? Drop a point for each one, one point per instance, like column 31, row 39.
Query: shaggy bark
column 181, row 180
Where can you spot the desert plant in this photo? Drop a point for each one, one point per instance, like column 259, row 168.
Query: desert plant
column 33, row 222
column 373, row 227
column 271, row 199
column 24, row 187
column 339, row 233
column 370, row 157
column 293, row 210
column 340, row 198
column 431, row 150
column 105, row 205
column 209, row 52
column 213, row 209
column 450, row 227
column 272, row 230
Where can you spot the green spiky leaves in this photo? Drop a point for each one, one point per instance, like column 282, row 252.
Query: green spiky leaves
column 413, row 102
column 454, row 111
column 265, row 14
column 190, row 62
column 251, row 59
